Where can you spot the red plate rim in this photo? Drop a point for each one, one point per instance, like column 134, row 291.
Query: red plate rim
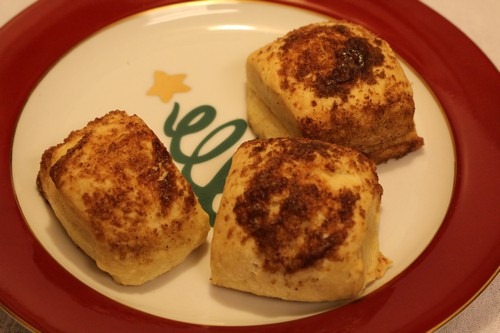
column 461, row 259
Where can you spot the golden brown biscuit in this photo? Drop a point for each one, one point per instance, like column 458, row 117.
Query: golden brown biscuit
column 298, row 220
column 115, row 189
column 333, row 81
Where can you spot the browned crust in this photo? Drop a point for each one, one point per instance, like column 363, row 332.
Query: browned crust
column 334, row 81
column 118, row 193
column 287, row 239
column 329, row 59
column 298, row 220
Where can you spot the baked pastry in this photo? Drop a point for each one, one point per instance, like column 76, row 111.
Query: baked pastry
column 333, row 81
column 116, row 191
column 298, row 220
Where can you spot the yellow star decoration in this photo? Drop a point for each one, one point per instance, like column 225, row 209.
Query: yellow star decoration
column 165, row 86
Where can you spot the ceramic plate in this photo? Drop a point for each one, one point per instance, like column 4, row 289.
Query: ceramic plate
column 181, row 66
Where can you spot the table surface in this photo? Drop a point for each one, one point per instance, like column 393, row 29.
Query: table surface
column 478, row 20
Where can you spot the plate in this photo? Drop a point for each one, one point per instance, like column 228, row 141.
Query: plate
column 194, row 42
column 173, row 91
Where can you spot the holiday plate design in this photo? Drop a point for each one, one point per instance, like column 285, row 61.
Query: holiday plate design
column 180, row 67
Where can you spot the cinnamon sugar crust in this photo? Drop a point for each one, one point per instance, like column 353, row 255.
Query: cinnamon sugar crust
column 120, row 197
column 298, row 220
column 333, row 81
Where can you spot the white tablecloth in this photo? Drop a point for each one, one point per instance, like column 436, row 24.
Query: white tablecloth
column 479, row 19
